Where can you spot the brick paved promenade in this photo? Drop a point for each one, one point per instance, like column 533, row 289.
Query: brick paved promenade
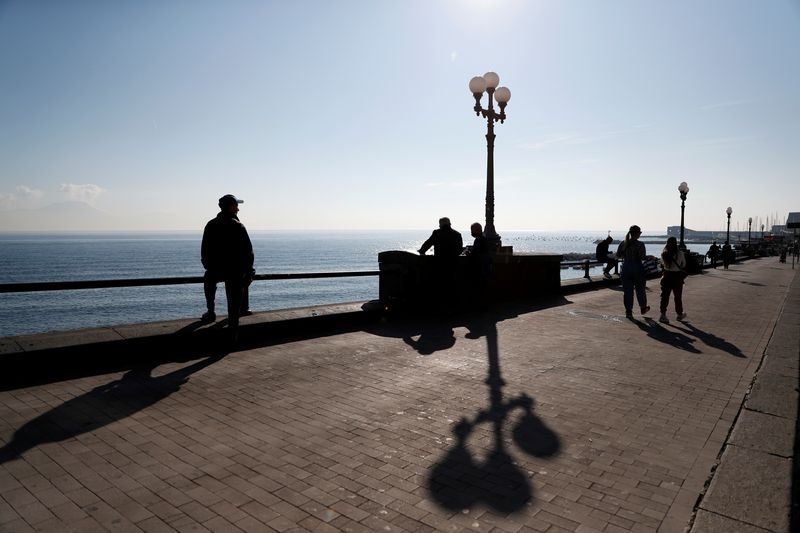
column 558, row 417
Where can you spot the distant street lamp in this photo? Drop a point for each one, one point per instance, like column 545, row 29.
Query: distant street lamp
column 762, row 231
column 749, row 225
column 684, row 190
column 728, row 236
column 489, row 82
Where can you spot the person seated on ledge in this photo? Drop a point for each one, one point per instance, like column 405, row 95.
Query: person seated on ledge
column 601, row 252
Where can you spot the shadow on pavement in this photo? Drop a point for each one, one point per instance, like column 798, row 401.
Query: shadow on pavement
column 432, row 339
column 434, row 331
column 655, row 331
column 458, row 480
column 103, row 405
column 709, row 339
column 26, row 369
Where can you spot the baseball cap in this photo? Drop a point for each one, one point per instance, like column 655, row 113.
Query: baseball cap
column 229, row 199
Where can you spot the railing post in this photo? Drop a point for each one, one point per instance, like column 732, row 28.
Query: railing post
column 586, row 269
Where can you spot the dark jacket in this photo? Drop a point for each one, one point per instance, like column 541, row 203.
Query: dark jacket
column 601, row 252
column 445, row 242
column 226, row 248
column 479, row 260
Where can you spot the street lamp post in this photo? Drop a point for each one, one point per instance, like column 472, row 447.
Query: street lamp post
column 684, row 190
column 489, row 83
column 749, row 227
column 728, row 235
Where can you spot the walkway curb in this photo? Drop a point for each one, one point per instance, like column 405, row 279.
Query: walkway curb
column 753, row 487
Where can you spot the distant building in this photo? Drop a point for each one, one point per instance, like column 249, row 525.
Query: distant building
column 793, row 221
column 693, row 235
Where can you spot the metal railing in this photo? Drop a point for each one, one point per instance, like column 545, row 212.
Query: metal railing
column 585, row 264
column 146, row 282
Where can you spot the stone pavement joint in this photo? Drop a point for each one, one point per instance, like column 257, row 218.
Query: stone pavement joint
column 549, row 416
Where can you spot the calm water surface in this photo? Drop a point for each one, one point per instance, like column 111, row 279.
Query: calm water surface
column 39, row 257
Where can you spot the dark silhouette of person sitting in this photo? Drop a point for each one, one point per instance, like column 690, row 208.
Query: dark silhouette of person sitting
column 480, row 265
column 601, row 252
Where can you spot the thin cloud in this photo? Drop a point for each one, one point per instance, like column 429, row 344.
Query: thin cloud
column 722, row 141
column 572, row 138
column 465, row 184
column 21, row 197
column 471, row 184
column 727, row 103
column 28, row 193
column 85, row 192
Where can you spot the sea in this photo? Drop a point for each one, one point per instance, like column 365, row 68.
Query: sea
column 38, row 257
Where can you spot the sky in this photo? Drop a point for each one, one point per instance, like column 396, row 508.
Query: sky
column 356, row 114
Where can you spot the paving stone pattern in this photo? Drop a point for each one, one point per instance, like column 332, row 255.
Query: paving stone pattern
column 560, row 416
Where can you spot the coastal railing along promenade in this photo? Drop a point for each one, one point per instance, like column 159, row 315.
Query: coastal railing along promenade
column 149, row 282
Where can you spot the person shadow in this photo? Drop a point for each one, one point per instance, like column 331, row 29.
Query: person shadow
column 136, row 390
column 458, row 480
column 433, row 338
column 709, row 339
column 655, row 331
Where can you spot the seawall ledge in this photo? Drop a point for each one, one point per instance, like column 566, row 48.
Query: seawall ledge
column 187, row 329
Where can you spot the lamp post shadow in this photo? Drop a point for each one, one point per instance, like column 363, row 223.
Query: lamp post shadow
column 458, row 481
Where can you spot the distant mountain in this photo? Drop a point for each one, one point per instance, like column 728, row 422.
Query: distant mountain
column 77, row 216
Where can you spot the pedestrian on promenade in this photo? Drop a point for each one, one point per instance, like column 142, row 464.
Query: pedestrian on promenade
column 227, row 256
column 713, row 253
column 480, row 265
column 727, row 255
column 632, row 252
column 447, row 246
column 601, row 252
column 672, row 279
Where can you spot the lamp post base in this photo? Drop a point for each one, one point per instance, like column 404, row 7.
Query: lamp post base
column 493, row 240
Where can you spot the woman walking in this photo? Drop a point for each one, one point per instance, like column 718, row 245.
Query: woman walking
column 672, row 279
column 632, row 252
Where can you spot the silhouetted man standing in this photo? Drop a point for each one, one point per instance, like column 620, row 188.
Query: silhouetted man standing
column 227, row 256
column 727, row 255
column 446, row 241
column 447, row 246
column 713, row 253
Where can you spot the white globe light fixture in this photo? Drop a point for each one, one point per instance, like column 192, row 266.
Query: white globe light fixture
column 477, row 85
column 492, row 80
column 502, row 95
